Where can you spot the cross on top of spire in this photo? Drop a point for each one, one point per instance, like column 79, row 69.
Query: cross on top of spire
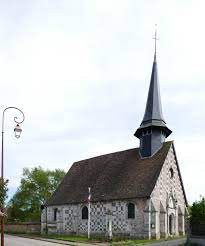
column 155, row 41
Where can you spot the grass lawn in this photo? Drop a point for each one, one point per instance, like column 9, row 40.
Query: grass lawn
column 141, row 241
column 115, row 241
column 132, row 242
column 71, row 238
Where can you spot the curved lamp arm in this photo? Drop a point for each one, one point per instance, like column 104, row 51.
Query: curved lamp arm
column 17, row 132
column 15, row 118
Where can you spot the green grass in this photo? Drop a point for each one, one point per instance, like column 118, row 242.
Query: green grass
column 142, row 241
column 132, row 242
column 71, row 238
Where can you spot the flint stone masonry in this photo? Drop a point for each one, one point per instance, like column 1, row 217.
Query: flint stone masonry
column 69, row 218
column 168, row 198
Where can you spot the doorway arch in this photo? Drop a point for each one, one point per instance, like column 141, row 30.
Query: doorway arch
column 171, row 224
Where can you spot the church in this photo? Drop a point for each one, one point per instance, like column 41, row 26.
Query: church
column 135, row 193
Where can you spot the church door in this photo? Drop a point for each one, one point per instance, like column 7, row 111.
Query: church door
column 171, row 224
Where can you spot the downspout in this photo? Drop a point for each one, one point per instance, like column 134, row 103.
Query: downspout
column 149, row 219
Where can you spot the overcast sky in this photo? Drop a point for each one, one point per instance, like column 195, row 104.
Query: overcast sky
column 80, row 71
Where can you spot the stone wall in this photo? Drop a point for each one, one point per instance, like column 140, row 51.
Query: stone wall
column 168, row 199
column 69, row 219
column 23, row 227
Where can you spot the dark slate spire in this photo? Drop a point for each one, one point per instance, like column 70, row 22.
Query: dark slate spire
column 153, row 130
column 153, row 109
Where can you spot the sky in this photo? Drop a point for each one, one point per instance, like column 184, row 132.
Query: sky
column 80, row 71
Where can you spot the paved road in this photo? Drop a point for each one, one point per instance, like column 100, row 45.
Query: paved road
column 198, row 240
column 11, row 240
column 19, row 241
column 174, row 242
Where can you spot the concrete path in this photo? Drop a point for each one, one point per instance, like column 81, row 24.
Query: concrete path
column 11, row 240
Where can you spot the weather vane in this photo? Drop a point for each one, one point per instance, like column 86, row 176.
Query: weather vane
column 155, row 38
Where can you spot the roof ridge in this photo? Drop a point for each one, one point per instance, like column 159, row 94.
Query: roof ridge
column 97, row 156
column 120, row 151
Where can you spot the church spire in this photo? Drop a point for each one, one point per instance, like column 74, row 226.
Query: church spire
column 153, row 109
column 153, row 130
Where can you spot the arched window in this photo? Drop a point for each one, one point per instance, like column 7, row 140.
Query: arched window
column 55, row 214
column 171, row 224
column 84, row 213
column 171, row 173
column 131, row 211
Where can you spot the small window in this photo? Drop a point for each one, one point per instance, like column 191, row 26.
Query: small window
column 55, row 214
column 131, row 211
column 84, row 213
column 171, row 173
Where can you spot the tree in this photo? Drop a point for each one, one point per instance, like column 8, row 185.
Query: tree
column 36, row 187
column 3, row 196
column 3, row 191
column 197, row 211
column 197, row 218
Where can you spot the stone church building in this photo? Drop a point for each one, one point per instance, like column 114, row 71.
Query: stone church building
column 135, row 193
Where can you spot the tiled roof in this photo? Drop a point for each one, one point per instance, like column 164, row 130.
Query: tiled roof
column 120, row 175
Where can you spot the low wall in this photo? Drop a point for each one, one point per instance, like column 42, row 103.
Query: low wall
column 198, row 229
column 23, row 227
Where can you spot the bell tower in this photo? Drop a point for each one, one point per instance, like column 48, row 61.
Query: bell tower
column 153, row 130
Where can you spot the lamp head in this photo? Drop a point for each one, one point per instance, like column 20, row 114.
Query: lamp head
column 17, row 131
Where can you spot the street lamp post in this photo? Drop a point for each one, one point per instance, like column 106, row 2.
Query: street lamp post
column 17, row 131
